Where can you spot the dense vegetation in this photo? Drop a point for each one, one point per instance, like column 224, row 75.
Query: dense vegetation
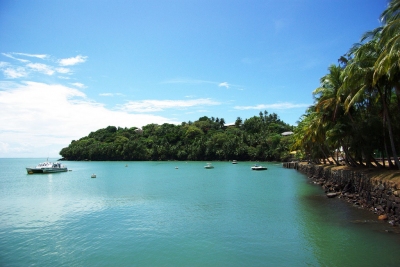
column 257, row 138
column 356, row 112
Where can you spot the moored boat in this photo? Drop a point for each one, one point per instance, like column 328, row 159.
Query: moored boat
column 47, row 167
column 257, row 167
column 209, row 166
column 234, row 162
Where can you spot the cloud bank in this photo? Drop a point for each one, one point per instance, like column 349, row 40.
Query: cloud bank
column 46, row 117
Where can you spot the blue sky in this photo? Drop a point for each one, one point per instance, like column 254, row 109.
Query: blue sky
column 71, row 67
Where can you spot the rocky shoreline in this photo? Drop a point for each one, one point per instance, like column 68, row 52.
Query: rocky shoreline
column 375, row 190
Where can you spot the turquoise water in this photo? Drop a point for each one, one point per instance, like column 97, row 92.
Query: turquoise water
column 152, row 214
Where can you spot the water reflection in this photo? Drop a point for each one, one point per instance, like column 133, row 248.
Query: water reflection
column 335, row 235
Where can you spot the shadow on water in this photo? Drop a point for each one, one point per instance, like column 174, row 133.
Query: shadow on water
column 340, row 234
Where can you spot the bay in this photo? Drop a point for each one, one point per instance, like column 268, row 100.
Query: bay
column 180, row 214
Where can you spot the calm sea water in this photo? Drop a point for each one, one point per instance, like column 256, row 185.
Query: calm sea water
column 152, row 214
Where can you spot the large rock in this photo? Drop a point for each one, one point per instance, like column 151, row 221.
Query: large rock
column 382, row 217
column 332, row 195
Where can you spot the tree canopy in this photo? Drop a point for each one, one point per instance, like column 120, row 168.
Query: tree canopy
column 356, row 112
column 256, row 138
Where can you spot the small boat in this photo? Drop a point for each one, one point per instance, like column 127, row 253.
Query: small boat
column 257, row 167
column 209, row 166
column 47, row 167
column 93, row 176
column 234, row 162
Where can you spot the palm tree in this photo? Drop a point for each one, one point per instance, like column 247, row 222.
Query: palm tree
column 327, row 94
column 359, row 85
column 309, row 136
column 222, row 123
column 238, row 122
column 328, row 105
column 388, row 63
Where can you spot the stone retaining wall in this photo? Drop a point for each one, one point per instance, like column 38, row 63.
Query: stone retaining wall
column 357, row 187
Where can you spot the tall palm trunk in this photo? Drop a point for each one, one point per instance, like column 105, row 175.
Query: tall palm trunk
column 376, row 163
column 397, row 90
column 390, row 163
column 334, row 159
column 349, row 159
column 389, row 126
column 323, row 152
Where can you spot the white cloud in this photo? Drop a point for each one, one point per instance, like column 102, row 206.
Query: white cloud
column 39, row 67
column 159, row 105
column 111, row 94
column 40, row 119
column 72, row 60
column 14, row 73
column 284, row 105
column 18, row 59
column 25, row 68
column 79, row 85
column 41, row 56
column 63, row 70
column 224, row 84
column 106, row 94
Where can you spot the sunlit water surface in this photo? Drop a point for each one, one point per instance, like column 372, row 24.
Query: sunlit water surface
column 180, row 214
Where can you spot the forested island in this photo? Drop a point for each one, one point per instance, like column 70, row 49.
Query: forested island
column 257, row 138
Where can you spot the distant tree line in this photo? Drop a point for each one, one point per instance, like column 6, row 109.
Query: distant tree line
column 256, row 138
column 356, row 112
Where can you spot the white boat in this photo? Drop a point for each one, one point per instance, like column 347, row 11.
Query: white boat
column 47, row 167
column 234, row 162
column 209, row 166
column 257, row 167
column 93, row 176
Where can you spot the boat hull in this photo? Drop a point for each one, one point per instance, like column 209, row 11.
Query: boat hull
column 45, row 170
column 33, row 170
column 259, row 168
column 51, row 170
